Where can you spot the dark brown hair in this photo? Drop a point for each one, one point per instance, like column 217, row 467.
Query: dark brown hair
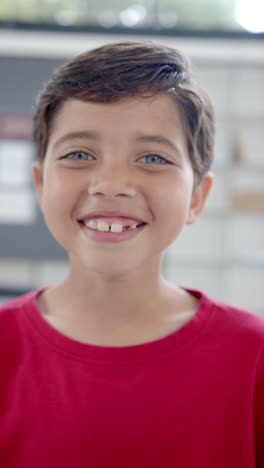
column 126, row 69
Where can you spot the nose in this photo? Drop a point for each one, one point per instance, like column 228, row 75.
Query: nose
column 112, row 182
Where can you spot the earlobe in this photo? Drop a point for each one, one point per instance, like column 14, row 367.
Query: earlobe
column 199, row 197
column 37, row 180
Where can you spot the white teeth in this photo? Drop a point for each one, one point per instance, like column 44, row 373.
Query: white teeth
column 116, row 227
column 104, row 227
column 91, row 224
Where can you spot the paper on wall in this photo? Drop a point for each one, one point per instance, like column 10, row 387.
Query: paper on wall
column 17, row 207
column 15, row 162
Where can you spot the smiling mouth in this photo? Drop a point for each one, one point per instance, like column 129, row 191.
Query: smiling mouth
column 124, row 228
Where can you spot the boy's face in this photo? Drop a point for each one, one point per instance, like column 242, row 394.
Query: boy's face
column 130, row 157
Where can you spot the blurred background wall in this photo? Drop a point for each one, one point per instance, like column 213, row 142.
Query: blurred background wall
column 223, row 253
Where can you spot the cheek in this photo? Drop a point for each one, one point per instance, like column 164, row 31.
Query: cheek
column 59, row 189
column 57, row 204
column 173, row 200
column 172, row 203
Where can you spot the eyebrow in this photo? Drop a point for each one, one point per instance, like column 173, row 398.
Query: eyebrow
column 93, row 135
column 160, row 139
column 81, row 135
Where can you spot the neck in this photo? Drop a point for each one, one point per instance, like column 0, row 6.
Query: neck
column 116, row 311
column 117, row 298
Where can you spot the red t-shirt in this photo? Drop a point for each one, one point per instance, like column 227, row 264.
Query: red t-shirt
column 192, row 399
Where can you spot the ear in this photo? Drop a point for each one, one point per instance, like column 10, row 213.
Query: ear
column 199, row 197
column 37, row 180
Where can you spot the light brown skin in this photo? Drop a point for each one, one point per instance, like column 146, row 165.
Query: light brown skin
column 115, row 295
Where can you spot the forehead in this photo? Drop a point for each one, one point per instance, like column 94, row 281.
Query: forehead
column 123, row 118
column 159, row 108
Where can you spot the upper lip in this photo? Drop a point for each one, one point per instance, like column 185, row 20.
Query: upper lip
column 112, row 214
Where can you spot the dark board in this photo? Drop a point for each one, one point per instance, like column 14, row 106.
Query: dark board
column 20, row 80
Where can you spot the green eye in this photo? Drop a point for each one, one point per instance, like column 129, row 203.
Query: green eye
column 152, row 157
column 79, row 155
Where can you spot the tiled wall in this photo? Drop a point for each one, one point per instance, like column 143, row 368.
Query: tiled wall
column 223, row 254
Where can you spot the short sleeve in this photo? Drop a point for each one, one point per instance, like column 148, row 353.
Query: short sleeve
column 259, row 415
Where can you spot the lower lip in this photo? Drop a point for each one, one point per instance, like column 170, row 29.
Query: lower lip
column 110, row 237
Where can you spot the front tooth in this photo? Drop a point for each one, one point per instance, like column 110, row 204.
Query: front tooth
column 116, row 227
column 102, row 226
column 91, row 224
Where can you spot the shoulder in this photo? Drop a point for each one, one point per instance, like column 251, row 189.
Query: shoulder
column 19, row 301
column 240, row 328
column 231, row 324
column 11, row 309
column 230, row 313
column 241, row 319
column 14, row 322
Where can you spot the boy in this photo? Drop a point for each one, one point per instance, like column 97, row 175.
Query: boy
column 115, row 366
